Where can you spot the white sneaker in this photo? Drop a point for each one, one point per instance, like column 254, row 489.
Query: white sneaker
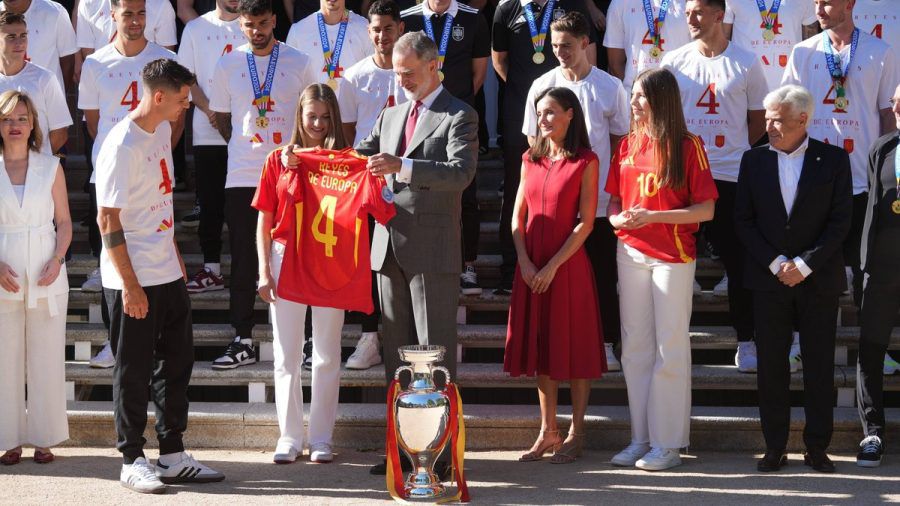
column 104, row 358
column 186, row 470
column 366, row 353
column 794, row 359
column 321, row 453
column 631, row 454
column 721, row 288
column 658, row 459
column 612, row 363
column 285, row 454
column 697, row 288
column 745, row 358
column 93, row 282
column 140, row 477
column 890, row 365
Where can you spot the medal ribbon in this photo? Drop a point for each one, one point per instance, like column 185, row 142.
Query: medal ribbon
column 445, row 36
column 332, row 58
column 262, row 94
column 836, row 69
column 538, row 37
column 768, row 16
column 654, row 25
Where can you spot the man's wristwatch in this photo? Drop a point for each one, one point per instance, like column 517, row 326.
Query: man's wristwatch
column 61, row 260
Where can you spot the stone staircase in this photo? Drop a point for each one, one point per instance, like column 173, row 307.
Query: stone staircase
column 235, row 408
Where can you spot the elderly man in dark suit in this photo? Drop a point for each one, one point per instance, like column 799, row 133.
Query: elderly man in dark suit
column 792, row 212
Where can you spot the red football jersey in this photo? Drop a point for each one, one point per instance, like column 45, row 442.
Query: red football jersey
column 634, row 180
column 320, row 215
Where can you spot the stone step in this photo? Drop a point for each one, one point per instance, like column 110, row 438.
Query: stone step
column 362, row 427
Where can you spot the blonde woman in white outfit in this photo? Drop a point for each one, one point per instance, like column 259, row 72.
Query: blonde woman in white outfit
column 33, row 286
column 318, row 123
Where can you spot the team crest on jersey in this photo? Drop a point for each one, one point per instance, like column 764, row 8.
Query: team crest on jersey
column 558, row 13
column 387, row 195
column 782, row 60
column 458, row 33
column 720, row 141
column 848, row 145
column 276, row 137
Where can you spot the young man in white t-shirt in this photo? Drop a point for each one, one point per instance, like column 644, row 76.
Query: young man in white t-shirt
column 331, row 22
column 110, row 88
column 51, row 37
column 253, row 126
column 771, row 33
column 879, row 18
column 853, row 108
column 95, row 27
column 204, row 39
column 38, row 83
column 369, row 87
column 143, row 275
column 605, row 102
column 629, row 44
column 722, row 89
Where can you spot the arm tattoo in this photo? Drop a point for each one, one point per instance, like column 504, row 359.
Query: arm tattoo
column 223, row 125
column 113, row 239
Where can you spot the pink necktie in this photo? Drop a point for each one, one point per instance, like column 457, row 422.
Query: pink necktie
column 410, row 126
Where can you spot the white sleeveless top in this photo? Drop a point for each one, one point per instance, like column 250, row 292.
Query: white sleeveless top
column 27, row 235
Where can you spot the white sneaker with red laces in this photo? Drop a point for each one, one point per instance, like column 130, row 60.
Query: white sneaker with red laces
column 205, row 280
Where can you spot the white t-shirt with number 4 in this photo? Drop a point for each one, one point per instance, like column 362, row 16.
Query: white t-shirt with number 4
column 250, row 143
column 880, row 18
column 205, row 39
column 135, row 174
column 626, row 28
column 111, row 83
column 871, row 81
column 367, row 91
column 46, row 93
column 605, row 104
column 96, row 27
column 304, row 36
column 50, row 35
column 716, row 93
column 748, row 29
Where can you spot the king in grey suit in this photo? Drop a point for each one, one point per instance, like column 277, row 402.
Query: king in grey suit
column 417, row 255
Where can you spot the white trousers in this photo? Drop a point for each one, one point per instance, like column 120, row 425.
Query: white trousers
column 288, row 322
column 34, row 354
column 655, row 298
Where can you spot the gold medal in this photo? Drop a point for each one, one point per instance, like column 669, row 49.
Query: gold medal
column 262, row 122
column 655, row 51
column 895, row 206
column 768, row 34
column 332, row 83
column 441, row 75
column 841, row 103
column 537, row 58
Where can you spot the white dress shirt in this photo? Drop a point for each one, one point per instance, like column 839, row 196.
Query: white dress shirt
column 406, row 164
column 790, row 165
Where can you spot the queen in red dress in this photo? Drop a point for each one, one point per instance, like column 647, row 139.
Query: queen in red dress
column 554, row 322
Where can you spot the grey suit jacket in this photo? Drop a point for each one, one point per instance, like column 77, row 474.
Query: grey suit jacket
column 425, row 233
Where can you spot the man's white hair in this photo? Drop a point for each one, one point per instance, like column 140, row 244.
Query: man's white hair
column 797, row 98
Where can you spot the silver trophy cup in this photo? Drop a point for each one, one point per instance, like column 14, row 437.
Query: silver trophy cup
column 422, row 418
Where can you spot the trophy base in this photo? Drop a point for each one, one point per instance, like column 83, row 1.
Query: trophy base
column 424, row 486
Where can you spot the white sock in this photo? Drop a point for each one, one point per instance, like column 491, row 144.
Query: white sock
column 215, row 268
column 369, row 334
column 169, row 458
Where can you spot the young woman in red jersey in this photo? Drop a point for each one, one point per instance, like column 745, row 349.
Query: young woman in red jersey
column 554, row 322
column 318, row 124
column 661, row 189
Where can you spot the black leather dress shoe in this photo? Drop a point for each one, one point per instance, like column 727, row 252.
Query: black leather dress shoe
column 819, row 461
column 772, row 461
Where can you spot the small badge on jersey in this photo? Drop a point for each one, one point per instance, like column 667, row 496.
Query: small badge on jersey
column 387, row 194
column 458, row 33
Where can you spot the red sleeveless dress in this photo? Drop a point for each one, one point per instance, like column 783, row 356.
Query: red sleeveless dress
column 556, row 333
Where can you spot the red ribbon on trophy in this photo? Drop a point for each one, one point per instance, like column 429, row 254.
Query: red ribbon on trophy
column 457, row 433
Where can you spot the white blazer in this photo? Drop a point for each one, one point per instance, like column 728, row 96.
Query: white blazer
column 27, row 233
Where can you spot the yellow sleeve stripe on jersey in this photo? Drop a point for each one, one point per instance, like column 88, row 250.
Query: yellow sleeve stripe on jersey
column 356, row 243
column 681, row 253
column 701, row 154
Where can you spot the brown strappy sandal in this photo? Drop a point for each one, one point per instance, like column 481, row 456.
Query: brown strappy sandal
column 538, row 453
column 570, row 451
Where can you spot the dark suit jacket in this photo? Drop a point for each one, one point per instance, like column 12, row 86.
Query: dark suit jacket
column 880, row 158
column 816, row 227
column 425, row 233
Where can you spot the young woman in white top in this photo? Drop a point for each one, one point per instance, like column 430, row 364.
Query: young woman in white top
column 33, row 286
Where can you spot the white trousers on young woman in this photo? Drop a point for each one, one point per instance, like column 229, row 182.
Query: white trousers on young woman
column 655, row 298
column 33, row 357
column 288, row 322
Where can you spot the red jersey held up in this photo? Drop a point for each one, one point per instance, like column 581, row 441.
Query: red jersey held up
column 320, row 216
column 634, row 179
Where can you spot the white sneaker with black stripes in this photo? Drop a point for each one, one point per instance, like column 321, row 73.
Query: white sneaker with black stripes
column 139, row 476
column 186, row 470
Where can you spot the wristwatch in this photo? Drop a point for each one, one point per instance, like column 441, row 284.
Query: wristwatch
column 61, row 260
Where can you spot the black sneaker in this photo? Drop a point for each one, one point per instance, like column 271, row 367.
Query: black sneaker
column 192, row 220
column 307, row 354
column 870, row 452
column 237, row 353
column 468, row 282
